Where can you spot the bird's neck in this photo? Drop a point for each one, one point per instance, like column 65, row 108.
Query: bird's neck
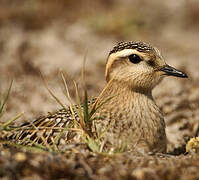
column 122, row 92
column 119, row 98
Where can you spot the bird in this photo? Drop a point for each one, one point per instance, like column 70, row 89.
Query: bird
column 126, row 115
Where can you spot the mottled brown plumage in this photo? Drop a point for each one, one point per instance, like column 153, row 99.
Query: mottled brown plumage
column 130, row 118
column 138, row 45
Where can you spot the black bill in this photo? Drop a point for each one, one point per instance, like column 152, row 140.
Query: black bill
column 170, row 71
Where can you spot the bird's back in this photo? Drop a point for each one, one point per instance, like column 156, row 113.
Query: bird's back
column 59, row 127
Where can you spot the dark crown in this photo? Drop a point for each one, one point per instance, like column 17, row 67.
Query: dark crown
column 138, row 45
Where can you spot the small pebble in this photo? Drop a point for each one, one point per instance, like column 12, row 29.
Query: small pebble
column 20, row 157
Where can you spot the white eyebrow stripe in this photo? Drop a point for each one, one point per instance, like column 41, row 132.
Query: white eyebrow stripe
column 158, row 52
column 125, row 53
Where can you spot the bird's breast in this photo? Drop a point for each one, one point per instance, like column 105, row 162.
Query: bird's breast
column 135, row 120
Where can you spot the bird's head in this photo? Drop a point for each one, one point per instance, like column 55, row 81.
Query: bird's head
column 138, row 65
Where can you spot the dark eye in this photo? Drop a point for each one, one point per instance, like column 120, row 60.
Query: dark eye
column 135, row 59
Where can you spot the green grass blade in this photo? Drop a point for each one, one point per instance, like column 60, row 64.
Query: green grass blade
column 85, row 95
column 93, row 145
column 51, row 93
column 67, row 94
column 6, row 98
column 94, row 109
column 85, row 109
column 7, row 123
column 79, row 109
column 35, row 148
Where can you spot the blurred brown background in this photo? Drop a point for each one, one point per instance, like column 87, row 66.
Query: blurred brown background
column 54, row 35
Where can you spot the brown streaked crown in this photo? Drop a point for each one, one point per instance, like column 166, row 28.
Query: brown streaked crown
column 138, row 45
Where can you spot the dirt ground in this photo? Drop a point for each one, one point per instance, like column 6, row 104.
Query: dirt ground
column 53, row 36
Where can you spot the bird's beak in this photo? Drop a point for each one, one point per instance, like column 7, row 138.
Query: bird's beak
column 170, row 71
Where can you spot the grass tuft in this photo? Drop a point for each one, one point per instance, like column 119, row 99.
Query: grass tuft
column 82, row 124
column 3, row 101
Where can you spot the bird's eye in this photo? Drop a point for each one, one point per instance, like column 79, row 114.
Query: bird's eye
column 135, row 59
